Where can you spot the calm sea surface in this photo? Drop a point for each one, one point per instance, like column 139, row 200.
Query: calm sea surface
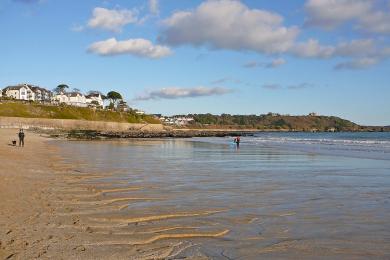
column 286, row 195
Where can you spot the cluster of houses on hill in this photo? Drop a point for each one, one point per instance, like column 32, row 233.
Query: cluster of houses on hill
column 175, row 120
column 29, row 92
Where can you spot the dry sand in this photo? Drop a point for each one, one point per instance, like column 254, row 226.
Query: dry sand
column 50, row 210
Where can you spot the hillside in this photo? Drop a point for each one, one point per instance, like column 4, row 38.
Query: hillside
column 274, row 122
column 16, row 109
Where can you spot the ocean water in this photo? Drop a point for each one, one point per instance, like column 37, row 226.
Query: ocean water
column 283, row 195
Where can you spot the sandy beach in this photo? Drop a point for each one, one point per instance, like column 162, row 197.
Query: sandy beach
column 187, row 199
column 52, row 210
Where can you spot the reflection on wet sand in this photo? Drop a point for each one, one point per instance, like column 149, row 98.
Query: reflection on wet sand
column 177, row 198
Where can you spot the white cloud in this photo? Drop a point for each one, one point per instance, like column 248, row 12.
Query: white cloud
column 366, row 15
column 112, row 20
column 270, row 65
column 229, row 24
column 376, row 22
column 154, row 7
column 312, row 49
column 175, row 93
column 355, row 48
column 331, row 13
column 137, row 47
column 356, row 64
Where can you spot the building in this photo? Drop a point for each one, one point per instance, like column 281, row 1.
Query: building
column 72, row 99
column 1, row 93
column 20, row 92
column 60, row 98
column 122, row 106
column 41, row 94
column 94, row 98
column 313, row 114
column 139, row 112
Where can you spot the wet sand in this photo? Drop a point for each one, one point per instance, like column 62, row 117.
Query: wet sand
column 52, row 210
column 168, row 199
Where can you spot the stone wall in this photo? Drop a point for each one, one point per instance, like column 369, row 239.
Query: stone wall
column 71, row 124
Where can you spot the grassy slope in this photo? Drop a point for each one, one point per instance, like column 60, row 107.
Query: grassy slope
column 69, row 112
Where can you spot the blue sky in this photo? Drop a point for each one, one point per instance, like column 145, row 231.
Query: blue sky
column 218, row 56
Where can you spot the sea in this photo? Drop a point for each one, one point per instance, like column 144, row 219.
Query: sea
column 283, row 195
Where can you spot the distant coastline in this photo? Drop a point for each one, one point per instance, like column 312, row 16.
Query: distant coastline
column 90, row 123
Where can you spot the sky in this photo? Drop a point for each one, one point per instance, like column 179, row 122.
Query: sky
column 331, row 57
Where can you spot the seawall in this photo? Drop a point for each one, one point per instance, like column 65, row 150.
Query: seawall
column 72, row 124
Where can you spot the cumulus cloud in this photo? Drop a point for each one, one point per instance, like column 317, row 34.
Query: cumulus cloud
column 269, row 65
column 365, row 14
column 175, row 93
column 229, row 24
column 355, row 48
column 154, row 7
column 112, row 20
column 376, row 22
column 357, row 64
column 331, row 13
column 312, row 49
column 136, row 47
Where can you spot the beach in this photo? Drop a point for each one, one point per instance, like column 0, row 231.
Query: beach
column 190, row 199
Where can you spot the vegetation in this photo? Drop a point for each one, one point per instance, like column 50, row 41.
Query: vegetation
column 33, row 110
column 274, row 122
column 114, row 97
column 61, row 88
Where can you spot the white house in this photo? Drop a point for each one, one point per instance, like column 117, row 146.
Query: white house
column 94, row 97
column 21, row 92
column 60, row 98
column 72, row 99
column 41, row 94
column 77, row 99
column 1, row 92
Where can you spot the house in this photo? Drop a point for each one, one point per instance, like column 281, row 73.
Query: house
column 139, row 112
column 72, row 99
column 41, row 94
column 1, row 93
column 313, row 114
column 94, row 98
column 20, row 92
column 60, row 98
column 76, row 99
column 122, row 106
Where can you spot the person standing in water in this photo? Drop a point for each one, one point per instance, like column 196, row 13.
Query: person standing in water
column 21, row 137
column 237, row 141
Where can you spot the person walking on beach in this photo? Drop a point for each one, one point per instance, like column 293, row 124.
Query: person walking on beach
column 21, row 137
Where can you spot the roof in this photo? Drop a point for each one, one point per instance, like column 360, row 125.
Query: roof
column 17, row 87
column 93, row 95
column 73, row 94
column 32, row 87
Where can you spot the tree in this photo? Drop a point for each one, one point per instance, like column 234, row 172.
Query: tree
column 61, row 88
column 114, row 97
column 76, row 90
